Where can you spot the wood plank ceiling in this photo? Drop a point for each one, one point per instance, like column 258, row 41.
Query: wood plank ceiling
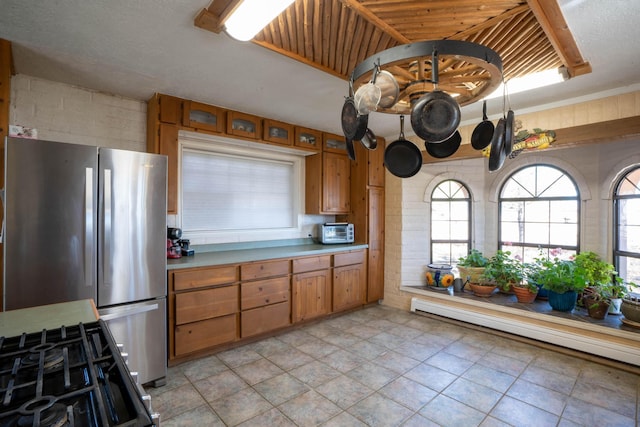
column 337, row 35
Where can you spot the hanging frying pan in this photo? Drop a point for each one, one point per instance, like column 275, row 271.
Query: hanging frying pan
column 435, row 116
column 446, row 148
column 483, row 132
column 508, row 133
column 369, row 140
column 402, row 158
column 497, row 154
column 354, row 125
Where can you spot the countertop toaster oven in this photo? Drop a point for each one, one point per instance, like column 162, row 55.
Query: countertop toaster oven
column 335, row 233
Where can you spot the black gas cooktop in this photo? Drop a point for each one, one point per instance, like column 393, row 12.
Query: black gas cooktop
column 71, row 376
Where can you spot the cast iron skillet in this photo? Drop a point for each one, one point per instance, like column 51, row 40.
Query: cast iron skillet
column 508, row 133
column 436, row 115
column 446, row 148
column 402, row 158
column 354, row 125
column 483, row 132
column 497, row 154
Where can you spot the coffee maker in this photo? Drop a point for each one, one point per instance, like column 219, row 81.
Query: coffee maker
column 174, row 249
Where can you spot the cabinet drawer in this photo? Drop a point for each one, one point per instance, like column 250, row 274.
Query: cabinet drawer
column 264, row 319
column 348, row 258
column 204, row 334
column 313, row 263
column 200, row 305
column 192, row 279
column 264, row 292
column 265, row 269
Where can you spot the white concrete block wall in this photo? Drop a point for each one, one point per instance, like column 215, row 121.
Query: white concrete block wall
column 71, row 114
column 594, row 167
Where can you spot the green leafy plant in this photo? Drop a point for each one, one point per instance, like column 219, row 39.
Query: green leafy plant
column 561, row 276
column 595, row 271
column 504, row 270
column 474, row 259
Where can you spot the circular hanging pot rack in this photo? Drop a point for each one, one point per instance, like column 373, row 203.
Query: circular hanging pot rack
column 467, row 71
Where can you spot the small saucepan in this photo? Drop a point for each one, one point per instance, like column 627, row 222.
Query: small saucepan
column 369, row 140
column 483, row 132
column 402, row 157
column 446, row 148
column 435, row 116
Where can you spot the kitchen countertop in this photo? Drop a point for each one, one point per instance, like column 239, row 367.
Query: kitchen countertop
column 206, row 258
column 52, row 316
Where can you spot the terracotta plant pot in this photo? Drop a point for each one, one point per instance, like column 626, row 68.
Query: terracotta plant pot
column 482, row 290
column 596, row 310
column 524, row 295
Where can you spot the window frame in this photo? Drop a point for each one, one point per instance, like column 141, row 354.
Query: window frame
column 469, row 201
column 616, row 198
column 551, row 250
column 252, row 150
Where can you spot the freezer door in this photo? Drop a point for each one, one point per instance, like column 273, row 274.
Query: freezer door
column 132, row 227
column 50, row 230
column 141, row 329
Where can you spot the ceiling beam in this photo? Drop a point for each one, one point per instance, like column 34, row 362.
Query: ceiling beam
column 213, row 17
column 374, row 20
column 550, row 17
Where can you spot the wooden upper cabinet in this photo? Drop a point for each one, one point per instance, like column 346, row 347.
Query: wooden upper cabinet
column 334, row 143
column 336, row 185
column 244, row 125
column 170, row 109
column 376, row 169
column 277, row 132
column 203, row 117
column 168, row 145
column 308, row 139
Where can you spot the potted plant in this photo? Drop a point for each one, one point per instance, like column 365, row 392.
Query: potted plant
column 532, row 271
column 597, row 300
column 618, row 290
column 503, row 270
column 472, row 266
column 563, row 281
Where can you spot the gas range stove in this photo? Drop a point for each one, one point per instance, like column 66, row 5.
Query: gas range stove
column 71, row 376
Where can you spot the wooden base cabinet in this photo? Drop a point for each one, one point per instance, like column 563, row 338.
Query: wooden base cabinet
column 311, row 287
column 349, row 280
column 203, row 309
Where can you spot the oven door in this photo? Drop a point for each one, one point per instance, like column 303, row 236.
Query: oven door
column 141, row 329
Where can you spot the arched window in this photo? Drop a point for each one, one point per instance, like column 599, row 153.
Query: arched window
column 450, row 224
column 626, row 247
column 539, row 211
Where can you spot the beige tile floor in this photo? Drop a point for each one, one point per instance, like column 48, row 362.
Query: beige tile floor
column 385, row 367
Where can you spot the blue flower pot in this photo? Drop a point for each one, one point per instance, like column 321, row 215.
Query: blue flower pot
column 543, row 294
column 563, row 302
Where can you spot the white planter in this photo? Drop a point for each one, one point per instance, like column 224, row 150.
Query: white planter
column 614, row 308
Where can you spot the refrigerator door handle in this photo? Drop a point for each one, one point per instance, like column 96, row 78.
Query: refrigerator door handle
column 107, row 227
column 125, row 311
column 88, row 228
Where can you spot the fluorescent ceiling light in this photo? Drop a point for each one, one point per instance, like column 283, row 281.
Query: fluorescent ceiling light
column 531, row 81
column 251, row 16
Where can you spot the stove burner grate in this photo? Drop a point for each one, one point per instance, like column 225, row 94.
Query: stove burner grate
column 73, row 376
column 48, row 352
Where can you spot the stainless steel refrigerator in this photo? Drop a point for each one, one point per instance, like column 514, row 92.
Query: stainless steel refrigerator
column 87, row 222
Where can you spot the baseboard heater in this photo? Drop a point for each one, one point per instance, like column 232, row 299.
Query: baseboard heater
column 614, row 344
